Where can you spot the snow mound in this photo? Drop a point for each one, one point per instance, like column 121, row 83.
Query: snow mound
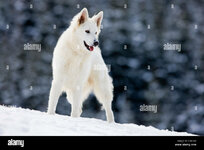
column 21, row 122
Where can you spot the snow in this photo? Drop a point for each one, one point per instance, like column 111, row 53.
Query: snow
column 21, row 122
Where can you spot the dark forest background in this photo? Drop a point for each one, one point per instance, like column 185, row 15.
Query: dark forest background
column 132, row 39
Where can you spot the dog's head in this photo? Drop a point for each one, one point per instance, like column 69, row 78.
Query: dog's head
column 86, row 30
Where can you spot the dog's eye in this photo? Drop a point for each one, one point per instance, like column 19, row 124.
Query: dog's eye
column 95, row 32
column 87, row 31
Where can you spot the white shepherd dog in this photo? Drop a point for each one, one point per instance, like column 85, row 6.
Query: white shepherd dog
column 78, row 66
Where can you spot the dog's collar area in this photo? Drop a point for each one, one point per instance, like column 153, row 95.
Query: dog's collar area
column 90, row 48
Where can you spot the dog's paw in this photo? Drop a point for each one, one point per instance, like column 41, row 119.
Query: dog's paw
column 110, row 121
column 75, row 114
column 50, row 112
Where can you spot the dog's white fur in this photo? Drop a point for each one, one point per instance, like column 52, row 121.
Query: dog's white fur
column 75, row 67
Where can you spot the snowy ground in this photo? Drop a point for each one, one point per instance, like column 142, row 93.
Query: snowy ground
column 18, row 121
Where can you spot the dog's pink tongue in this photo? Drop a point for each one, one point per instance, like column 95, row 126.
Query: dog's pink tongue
column 91, row 48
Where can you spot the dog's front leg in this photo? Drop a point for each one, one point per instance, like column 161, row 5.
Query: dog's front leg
column 76, row 104
column 55, row 92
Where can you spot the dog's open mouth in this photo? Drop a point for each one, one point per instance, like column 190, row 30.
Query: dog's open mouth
column 90, row 48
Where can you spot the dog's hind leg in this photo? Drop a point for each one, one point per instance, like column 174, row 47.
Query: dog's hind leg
column 103, row 90
column 55, row 92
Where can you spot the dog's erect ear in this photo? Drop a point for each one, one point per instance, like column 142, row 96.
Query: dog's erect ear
column 83, row 16
column 98, row 18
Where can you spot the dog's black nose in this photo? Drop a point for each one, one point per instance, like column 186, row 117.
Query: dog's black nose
column 95, row 43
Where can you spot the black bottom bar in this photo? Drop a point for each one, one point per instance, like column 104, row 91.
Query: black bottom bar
column 98, row 142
